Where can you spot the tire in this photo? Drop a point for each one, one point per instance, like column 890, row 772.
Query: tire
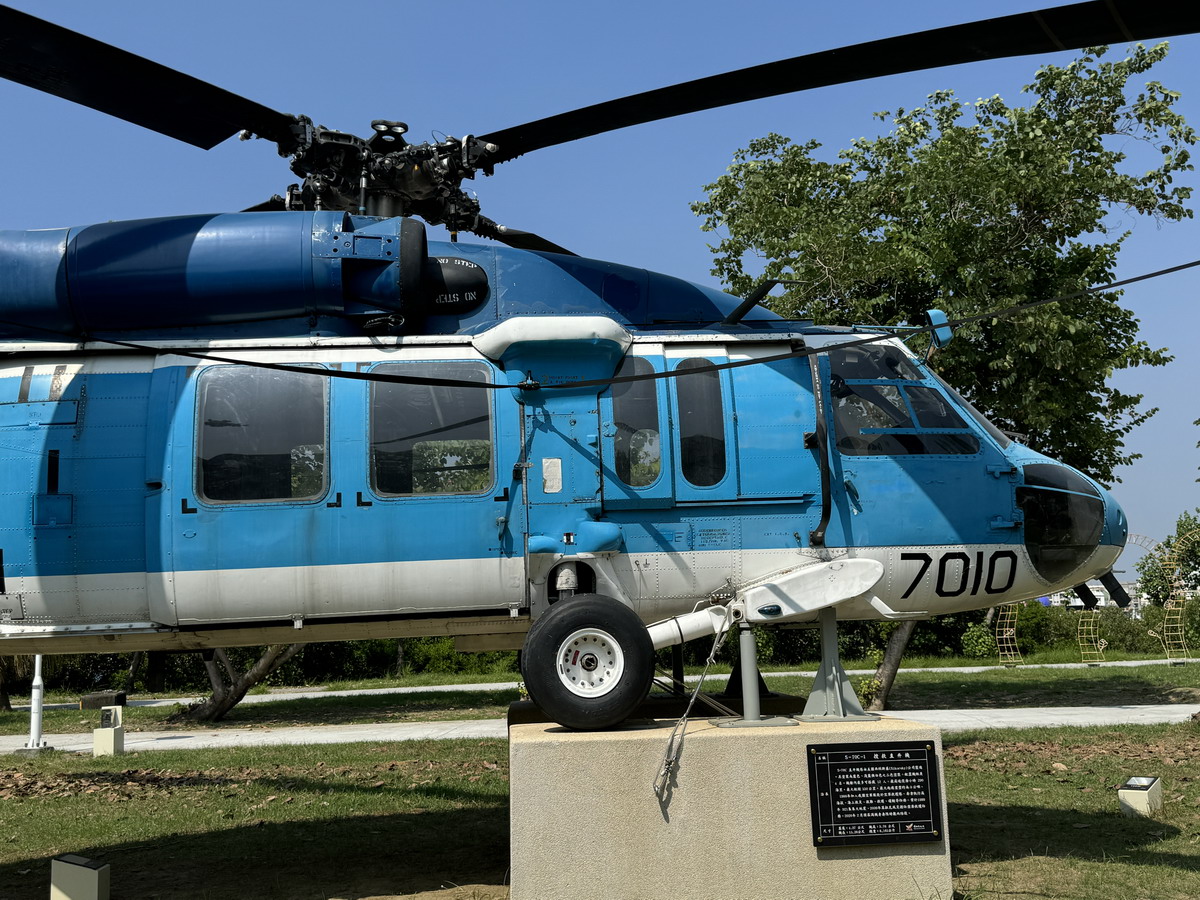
column 588, row 662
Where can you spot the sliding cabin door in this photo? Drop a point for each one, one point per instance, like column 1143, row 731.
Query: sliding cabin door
column 301, row 496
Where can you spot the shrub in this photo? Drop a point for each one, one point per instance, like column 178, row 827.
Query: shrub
column 978, row 641
column 1128, row 634
column 1033, row 626
column 1062, row 627
column 942, row 635
column 437, row 654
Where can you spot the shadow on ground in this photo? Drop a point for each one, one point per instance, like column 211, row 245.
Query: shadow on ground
column 980, row 833
column 366, row 856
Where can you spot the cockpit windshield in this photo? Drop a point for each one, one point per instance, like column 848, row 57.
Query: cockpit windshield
column 874, row 362
column 984, row 422
column 878, row 410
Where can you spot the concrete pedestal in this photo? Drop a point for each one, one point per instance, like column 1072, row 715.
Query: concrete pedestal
column 736, row 821
column 108, row 741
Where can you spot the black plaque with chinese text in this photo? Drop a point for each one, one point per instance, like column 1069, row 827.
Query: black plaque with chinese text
column 879, row 793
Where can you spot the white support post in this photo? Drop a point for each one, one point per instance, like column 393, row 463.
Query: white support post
column 751, row 709
column 36, row 701
column 751, row 706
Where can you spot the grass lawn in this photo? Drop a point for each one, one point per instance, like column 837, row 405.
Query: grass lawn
column 289, row 822
column 1001, row 688
column 1032, row 813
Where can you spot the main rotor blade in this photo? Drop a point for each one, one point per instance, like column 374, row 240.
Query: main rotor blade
column 274, row 203
column 70, row 65
column 1042, row 31
column 526, row 240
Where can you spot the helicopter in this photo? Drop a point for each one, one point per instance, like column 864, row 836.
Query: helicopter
column 305, row 421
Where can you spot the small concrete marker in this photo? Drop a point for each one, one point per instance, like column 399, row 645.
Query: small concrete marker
column 1140, row 796
column 75, row 878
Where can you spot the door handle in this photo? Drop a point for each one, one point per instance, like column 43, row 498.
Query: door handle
column 852, row 495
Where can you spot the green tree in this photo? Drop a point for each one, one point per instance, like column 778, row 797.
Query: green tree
column 231, row 683
column 971, row 208
column 1183, row 545
column 11, row 669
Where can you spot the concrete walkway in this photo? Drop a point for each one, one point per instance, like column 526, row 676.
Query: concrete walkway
column 949, row 720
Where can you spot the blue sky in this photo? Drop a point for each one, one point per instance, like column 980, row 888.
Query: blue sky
column 477, row 67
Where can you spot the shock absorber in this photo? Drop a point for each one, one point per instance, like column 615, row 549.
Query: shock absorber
column 566, row 580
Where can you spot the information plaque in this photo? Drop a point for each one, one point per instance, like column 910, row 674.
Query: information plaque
column 878, row 793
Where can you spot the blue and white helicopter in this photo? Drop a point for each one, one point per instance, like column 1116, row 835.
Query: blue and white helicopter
column 305, row 422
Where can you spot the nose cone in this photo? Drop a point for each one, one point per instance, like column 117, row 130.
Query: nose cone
column 1074, row 529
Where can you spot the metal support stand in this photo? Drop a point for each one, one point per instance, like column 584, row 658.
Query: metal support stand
column 733, row 687
column 832, row 697
column 751, row 708
column 36, row 702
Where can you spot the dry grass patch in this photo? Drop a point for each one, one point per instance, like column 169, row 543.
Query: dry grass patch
column 1035, row 814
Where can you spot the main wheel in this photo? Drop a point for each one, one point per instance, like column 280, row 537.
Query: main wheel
column 588, row 662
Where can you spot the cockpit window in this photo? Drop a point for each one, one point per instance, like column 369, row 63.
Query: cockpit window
column 932, row 409
column 873, row 361
column 869, row 407
column 1059, row 478
column 995, row 433
column 877, row 411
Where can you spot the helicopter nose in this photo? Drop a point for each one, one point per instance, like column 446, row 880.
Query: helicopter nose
column 1074, row 529
column 1116, row 526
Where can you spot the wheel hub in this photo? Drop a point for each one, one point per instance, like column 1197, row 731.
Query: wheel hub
column 590, row 662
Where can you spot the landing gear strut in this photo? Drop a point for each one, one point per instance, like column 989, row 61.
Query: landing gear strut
column 832, row 696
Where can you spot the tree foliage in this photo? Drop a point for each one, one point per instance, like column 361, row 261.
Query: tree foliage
column 972, row 208
column 12, row 668
column 1183, row 547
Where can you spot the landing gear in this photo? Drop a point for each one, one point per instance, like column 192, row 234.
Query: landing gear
column 588, row 662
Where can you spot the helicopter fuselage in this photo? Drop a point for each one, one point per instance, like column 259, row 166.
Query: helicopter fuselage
column 167, row 492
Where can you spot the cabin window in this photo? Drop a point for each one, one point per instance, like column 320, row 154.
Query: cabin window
column 261, row 435
column 878, row 411
column 701, row 423
column 637, row 456
column 428, row 439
